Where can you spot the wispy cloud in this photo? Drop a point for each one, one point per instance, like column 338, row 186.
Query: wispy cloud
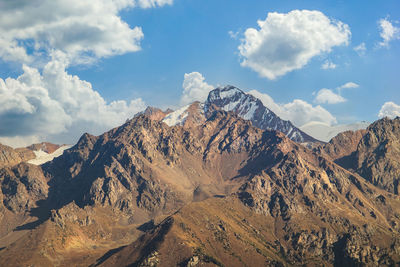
column 388, row 32
column 360, row 49
column 328, row 65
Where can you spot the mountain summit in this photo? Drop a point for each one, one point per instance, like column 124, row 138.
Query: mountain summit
column 248, row 107
column 232, row 99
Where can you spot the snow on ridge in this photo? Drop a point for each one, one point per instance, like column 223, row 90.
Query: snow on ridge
column 43, row 157
column 228, row 92
column 250, row 112
column 177, row 117
column 231, row 106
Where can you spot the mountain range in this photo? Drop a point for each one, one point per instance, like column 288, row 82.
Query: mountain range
column 220, row 183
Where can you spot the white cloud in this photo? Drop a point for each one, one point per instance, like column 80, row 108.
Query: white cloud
column 326, row 96
column 388, row 32
column 153, row 3
column 286, row 42
column 194, row 88
column 31, row 31
column 349, row 85
column 53, row 105
column 45, row 102
column 389, row 109
column 328, row 65
column 298, row 111
column 360, row 49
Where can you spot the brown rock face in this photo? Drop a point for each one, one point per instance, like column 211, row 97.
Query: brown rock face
column 155, row 114
column 214, row 191
column 147, row 165
column 372, row 153
column 45, row 146
column 377, row 157
column 342, row 146
column 11, row 157
column 22, row 186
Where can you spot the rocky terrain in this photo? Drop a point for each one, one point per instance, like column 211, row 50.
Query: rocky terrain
column 373, row 153
column 11, row 157
column 205, row 187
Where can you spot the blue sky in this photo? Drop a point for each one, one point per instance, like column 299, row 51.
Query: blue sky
column 193, row 36
column 179, row 37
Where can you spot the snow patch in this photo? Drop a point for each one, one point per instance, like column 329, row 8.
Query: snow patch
column 177, row 117
column 228, row 93
column 231, row 106
column 250, row 113
column 43, row 157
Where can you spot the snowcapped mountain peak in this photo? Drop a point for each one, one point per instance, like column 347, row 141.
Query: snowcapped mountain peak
column 248, row 107
column 225, row 92
column 232, row 99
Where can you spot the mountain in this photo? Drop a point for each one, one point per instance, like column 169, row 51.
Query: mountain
column 246, row 106
column 211, row 191
column 155, row 113
column 377, row 155
column 47, row 147
column 341, row 147
column 372, row 153
column 10, row 156
column 298, row 208
column 325, row 132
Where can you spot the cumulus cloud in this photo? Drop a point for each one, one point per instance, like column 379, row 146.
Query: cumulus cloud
column 47, row 36
column 360, row 49
column 194, row 88
column 388, row 32
column 328, row 65
column 327, row 96
column 287, row 41
column 152, row 3
column 389, row 109
column 54, row 105
column 299, row 112
column 83, row 30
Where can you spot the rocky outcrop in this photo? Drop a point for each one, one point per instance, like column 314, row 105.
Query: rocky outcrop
column 341, row 147
column 12, row 157
column 377, row 156
column 22, row 186
column 44, row 146
column 155, row 114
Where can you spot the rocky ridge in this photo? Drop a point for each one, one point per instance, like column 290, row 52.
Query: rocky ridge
column 215, row 190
